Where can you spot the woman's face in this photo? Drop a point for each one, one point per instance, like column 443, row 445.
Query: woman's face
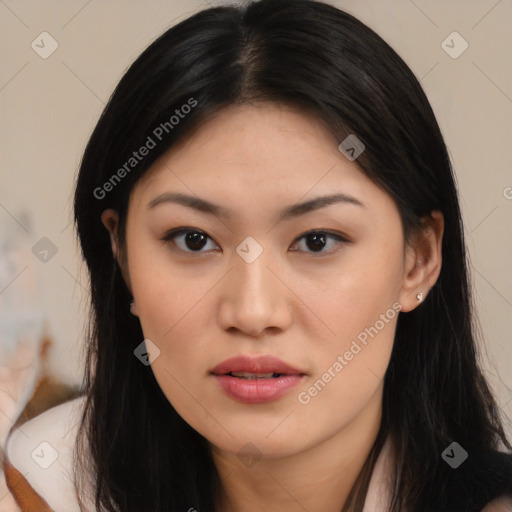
column 253, row 284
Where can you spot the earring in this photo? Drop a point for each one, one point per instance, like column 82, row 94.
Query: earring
column 133, row 308
column 419, row 296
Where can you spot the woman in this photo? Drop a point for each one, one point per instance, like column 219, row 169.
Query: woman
column 280, row 303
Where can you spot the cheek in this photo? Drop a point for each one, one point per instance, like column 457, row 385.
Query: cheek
column 161, row 291
column 354, row 357
column 354, row 295
column 171, row 306
column 359, row 306
column 350, row 363
column 173, row 315
column 174, row 310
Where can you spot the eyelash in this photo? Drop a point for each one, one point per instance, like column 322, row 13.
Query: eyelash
column 169, row 236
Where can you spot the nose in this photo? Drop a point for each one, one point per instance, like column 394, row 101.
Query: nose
column 254, row 299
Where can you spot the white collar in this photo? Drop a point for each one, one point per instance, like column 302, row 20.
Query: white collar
column 378, row 496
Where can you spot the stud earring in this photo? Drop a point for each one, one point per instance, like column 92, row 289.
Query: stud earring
column 419, row 296
column 133, row 308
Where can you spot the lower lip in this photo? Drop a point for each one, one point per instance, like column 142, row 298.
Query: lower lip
column 256, row 391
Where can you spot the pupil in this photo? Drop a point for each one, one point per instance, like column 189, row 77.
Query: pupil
column 316, row 238
column 194, row 238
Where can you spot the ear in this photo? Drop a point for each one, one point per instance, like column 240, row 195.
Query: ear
column 110, row 220
column 423, row 260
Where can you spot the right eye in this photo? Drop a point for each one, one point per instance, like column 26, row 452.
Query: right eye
column 187, row 238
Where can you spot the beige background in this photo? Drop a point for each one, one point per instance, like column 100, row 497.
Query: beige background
column 48, row 108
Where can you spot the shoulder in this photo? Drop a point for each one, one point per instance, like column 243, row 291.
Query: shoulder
column 499, row 505
column 494, row 478
column 39, row 458
column 483, row 482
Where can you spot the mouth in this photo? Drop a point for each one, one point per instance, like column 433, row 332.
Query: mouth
column 257, row 387
column 253, row 368
column 254, row 376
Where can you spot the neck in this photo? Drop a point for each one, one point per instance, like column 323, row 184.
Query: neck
column 318, row 479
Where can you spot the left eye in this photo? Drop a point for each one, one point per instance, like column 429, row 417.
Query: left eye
column 195, row 240
column 317, row 240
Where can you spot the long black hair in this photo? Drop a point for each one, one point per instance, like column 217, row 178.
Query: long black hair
column 137, row 450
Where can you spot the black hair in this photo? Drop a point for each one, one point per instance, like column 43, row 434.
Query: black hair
column 314, row 56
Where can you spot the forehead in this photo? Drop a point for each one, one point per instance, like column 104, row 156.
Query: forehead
column 261, row 145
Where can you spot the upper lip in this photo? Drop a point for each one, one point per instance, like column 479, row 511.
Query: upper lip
column 261, row 364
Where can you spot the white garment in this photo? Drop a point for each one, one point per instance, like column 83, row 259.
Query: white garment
column 42, row 449
column 48, row 440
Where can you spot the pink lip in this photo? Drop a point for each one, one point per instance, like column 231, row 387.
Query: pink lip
column 256, row 390
column 261, row 364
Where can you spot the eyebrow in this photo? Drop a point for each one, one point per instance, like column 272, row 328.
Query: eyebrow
column 289, row 212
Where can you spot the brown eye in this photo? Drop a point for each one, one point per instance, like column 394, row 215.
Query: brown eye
column 187, row 239
column 317, row 240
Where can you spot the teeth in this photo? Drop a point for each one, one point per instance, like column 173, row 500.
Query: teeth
column 246, row 375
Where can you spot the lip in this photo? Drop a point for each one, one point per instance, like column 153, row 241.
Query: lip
column 252, row 391
column 260, row 364
column 258, row 390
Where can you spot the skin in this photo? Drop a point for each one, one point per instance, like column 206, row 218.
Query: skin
column 302, row 306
